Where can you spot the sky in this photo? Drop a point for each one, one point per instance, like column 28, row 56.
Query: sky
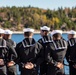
column 45, row 4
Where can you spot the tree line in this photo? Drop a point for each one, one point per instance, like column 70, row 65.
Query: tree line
column 16, row 18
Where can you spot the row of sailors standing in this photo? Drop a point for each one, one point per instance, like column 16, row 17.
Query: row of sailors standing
column 54, row 52
column 46, row 55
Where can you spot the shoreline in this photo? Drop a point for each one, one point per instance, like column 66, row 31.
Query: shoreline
column 21, row 32
column 35, row 32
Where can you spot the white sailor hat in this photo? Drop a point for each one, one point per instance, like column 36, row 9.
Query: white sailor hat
column 1, row 31
column 8, row 31
column 56, row 31
column 45, row 28
column 28, row 30
column 72, row 32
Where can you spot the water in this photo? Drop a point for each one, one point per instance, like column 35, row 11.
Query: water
column 19, row 37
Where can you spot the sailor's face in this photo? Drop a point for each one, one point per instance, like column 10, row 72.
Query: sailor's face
column 2, row 35
column 70, row 36
column 44, row 33
column 7, row 36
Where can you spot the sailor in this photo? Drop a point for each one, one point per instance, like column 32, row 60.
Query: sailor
column 5, row 52
column 11, row 70
column 71, row 52
column 45, row 38
column 27, row 51
column 56, row 53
